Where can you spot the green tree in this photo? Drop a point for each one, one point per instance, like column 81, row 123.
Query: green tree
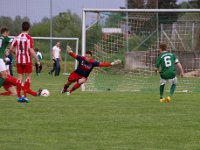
column 17, row 23
column 67, row 24
column 6, row 22
column 135, row 4
column 114, row 19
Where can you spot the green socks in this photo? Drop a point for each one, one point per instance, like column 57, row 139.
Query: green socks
column 162, row 87
column 172, row 89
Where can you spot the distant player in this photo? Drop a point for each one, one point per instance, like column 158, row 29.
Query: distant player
column 24, row 52
column 86, row 64
column 10, row 87
column 38, row 68
column 167, row 63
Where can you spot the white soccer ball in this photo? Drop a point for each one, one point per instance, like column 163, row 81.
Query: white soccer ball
column 7, row 59
column 45, row 93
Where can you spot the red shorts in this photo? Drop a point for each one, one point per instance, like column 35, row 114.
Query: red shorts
column 24, row 68
column 7, row 86
column 12, row 82
column 73, row 77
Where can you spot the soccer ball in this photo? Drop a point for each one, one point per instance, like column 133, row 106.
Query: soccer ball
column 45, row 93
column 7, row 59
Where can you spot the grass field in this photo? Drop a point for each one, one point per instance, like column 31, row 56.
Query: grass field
column 99, row 120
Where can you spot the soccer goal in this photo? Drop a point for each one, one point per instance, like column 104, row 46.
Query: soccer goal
column 45, row 44
column 133, row 35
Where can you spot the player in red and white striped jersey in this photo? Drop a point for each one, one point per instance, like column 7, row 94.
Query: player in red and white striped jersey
column 24, row 51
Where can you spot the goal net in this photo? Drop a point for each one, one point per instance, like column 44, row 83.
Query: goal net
column 133, row 35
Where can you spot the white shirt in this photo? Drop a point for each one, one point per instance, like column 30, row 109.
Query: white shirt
column 39, row 55
column 56, row 51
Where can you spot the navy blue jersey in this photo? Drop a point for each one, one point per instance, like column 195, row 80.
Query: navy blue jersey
column 84, row 68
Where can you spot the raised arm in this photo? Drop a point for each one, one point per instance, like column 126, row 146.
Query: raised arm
column 12, row 49
column 71, row 53
column 108, row 64
column 12, row 46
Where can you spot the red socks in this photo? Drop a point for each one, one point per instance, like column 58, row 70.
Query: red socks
column 19, row 87
column 31, row 92
column 6, row 94
column 76, row 86
column 27, row 88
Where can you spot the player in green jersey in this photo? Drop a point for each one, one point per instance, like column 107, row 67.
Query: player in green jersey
column 4, row 41
column 166, row 65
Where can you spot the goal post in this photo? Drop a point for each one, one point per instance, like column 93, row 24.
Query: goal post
column 133, row 35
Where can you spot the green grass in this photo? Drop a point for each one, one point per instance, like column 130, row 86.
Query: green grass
column 99, row 120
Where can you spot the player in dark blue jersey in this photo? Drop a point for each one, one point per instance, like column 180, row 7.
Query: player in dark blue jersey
column 85, row 66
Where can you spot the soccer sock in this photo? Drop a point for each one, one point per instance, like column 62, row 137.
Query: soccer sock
column 172, row 89
column 162, row 87
column 19, row 87
column 26, row 87
column 31, row 92
column 2, row 80
column 6, row 94
column 11, row 80
column 76, row 86
column 66, row 87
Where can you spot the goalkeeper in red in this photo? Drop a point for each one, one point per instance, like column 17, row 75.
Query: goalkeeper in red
column 86, row 64
column 167, row 63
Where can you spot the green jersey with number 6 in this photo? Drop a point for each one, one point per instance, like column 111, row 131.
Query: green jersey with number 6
column 4, row 41
column 167, row 60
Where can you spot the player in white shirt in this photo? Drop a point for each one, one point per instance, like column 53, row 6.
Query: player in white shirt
column 57, row 57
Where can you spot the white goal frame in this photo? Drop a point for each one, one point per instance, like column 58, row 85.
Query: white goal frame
column 94, row 10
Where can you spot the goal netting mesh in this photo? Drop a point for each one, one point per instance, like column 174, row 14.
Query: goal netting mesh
column 134, row 37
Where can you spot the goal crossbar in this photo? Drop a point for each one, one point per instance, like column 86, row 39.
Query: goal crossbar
column 140, row 10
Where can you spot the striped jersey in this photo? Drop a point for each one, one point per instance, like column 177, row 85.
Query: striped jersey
column 23, row 43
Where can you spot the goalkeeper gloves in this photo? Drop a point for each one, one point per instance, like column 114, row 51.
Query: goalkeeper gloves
column 69, row 50
column 116, row 62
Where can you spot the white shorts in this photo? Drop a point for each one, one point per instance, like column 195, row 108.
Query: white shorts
column 7, row 67
column 171, row 81
column 2, row 65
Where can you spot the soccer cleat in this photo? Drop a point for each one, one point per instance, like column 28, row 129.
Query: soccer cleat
column 25, row 99
column 39, row 92
column 168, row 99
column 68, row 93
column 63, row 91
column 20, row 100
column 162, row 100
